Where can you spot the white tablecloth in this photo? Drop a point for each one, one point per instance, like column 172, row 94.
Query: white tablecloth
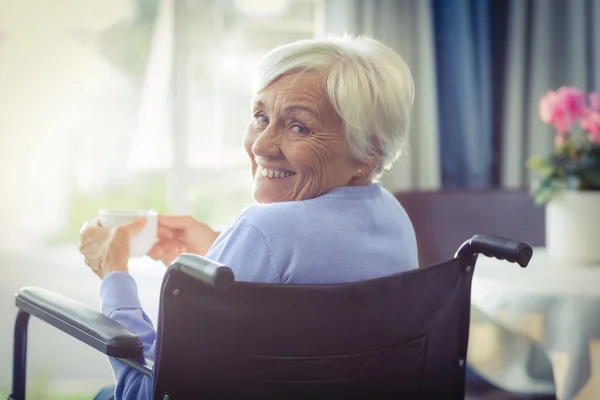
column 537, row 329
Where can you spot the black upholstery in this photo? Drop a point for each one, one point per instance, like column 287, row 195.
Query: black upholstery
column 78, row 320
column 367, row 339
column 402, row 336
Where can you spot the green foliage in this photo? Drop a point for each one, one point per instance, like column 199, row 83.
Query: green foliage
column 37, row 389
column 574, row 165
column 218, row 208
column 60, row 396
column 149, row 191
column 55, row 396
column 145, row 192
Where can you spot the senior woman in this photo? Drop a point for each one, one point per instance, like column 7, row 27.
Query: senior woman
column 328, row 118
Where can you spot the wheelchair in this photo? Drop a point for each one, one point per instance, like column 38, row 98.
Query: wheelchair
column 400, row 336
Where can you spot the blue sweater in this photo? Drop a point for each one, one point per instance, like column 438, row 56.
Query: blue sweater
column 348, row 234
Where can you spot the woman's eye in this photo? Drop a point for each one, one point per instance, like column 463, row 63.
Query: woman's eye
column 296, row 128
column 261, row 119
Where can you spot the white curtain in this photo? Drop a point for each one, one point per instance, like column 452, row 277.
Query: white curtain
column 152, row 143
column 551, row 43
column 406, row 26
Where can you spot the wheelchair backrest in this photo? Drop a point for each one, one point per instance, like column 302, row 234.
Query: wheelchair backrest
column 402, row 336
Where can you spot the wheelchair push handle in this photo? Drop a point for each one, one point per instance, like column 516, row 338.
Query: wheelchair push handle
column 210, row 272
column 497, row 247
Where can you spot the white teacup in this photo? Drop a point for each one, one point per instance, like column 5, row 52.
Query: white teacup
column 141, row 243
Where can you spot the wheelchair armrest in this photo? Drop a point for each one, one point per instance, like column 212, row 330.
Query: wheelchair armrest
column 80, row 321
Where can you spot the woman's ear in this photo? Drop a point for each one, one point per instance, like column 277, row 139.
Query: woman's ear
column 363, row 170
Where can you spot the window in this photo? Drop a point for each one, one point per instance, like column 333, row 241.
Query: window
column 119, row 104
column 132, row 104
column 71, row 78
column 221, row 44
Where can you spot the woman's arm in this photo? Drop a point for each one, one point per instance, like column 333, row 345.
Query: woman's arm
column 181, row 234
column 120, row 302
column 106, row 252
column 242, row 247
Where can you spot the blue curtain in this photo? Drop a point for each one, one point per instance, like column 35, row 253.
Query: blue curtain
column 463, row 41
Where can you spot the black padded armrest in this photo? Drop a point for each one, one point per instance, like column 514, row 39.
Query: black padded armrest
column 80, row 321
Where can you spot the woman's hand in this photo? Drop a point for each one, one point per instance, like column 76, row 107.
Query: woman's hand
column 107, row 250
column 181, row 234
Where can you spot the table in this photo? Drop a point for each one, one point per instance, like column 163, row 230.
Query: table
column 537, row 330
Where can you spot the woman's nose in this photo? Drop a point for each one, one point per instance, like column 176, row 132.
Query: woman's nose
column 266, row 143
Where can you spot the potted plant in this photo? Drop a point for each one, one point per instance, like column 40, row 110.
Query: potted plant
column 569, row 177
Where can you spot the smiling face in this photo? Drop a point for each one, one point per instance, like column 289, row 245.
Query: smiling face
column 296, row 144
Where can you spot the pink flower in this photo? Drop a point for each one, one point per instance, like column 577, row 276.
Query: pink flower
column 548, row 104
column 553, row 110
column 595, row 101
column 573, row 100
column 591, row 124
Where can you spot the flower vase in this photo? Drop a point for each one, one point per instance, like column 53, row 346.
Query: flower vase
column 573, row 227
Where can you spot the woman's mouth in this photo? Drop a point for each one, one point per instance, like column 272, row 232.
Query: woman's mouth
column 273, row 174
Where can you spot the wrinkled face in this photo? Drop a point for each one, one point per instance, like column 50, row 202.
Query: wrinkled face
column 295, row 142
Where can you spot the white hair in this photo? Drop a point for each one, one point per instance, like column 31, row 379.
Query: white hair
column 368, row 84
